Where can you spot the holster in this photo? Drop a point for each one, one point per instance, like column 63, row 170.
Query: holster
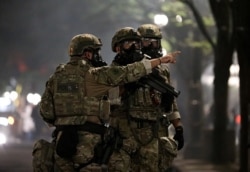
column 105, row 148
column 67, row 142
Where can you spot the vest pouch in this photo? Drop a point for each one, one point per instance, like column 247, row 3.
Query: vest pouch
column 69, row 90
column 43, row 156
column 91, row 106
column 67, row 142
column 168, row 151
column 144, row 113
column 105, row 109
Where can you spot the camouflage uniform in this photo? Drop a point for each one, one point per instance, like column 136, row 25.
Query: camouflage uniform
column 73, row 98
column 142, row 121
column 151, row 45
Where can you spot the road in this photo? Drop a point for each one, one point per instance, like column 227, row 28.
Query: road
column 16, row 157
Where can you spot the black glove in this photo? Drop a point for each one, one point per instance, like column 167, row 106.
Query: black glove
column 179, row 137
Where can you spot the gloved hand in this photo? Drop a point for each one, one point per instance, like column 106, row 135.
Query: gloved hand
column 179, row 137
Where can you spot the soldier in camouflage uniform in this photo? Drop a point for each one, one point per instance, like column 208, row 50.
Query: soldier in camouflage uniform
column 151, row 45
column 75, row 102
column 143, row 115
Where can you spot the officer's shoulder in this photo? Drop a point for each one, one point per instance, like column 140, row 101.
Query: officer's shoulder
column 82, row 62
column 60, row 67
column 84, row 65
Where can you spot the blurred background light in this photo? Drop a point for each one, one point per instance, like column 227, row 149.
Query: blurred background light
column 33, row 98
column 161, row 19
column 178, row 18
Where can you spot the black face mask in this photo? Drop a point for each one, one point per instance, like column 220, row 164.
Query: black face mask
column 97, row 60
column 152, row 52
column 129, row 56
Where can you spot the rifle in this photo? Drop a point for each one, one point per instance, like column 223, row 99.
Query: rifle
column 157, row 82
column 103, row 150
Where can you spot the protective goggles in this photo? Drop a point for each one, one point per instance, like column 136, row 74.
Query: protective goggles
column 127, row 44
column 149, row 41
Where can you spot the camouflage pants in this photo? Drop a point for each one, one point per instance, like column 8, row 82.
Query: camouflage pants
column 120, row 161
column 85, row 153
column 142, row 152
column 128, row 159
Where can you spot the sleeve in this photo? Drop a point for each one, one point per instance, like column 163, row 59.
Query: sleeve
column 100, row 80
column 175, row 113
column 118, row 75
column 46, row 103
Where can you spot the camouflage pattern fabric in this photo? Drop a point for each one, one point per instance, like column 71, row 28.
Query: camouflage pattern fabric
column 120, row 161
column 92, row 168
column 167, row 152
column 43, row 156
column 84, row 154
column 73, row 90
column 118, row 75
column 146, row 159
column 64, row 94
column 145, row 129
column 146, row 154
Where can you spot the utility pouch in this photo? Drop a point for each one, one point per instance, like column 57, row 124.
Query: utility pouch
column 43, row 156
column 105, row 109
column 67, row 142
column 168, row 151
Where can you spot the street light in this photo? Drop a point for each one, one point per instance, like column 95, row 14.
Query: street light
column 161, row 20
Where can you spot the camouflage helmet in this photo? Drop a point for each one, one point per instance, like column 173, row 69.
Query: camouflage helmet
column 82, row 41
column 150, row 31
column 123, row 34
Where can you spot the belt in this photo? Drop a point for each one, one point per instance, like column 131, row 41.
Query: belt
column 87, row 126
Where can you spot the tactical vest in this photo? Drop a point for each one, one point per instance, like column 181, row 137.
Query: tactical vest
column 69, row 91
column 64, row 101
column 142, row 102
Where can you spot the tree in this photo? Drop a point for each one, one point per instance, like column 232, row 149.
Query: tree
column 233, row 34
column 188, row 36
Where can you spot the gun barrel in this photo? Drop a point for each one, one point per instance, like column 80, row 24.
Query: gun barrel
column 159, row 85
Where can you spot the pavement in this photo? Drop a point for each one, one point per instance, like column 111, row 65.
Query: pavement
column 197, row 165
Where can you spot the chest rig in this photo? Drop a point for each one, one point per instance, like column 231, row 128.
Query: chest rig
column 142, row 102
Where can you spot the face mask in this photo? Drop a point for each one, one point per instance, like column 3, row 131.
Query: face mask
column 151, row 47
column 128, row 57
column 152, row 52
column 97, row 60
